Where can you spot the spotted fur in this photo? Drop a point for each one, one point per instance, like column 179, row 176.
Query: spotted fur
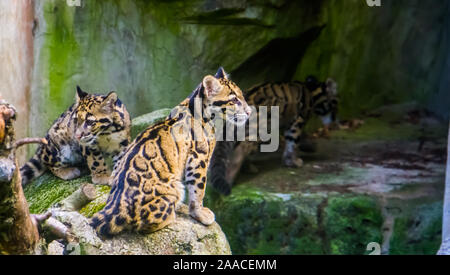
column 95, row 127
column 149, row 181
column 297, row 101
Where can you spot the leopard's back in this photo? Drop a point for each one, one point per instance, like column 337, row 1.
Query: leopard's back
column 146, row 184
column 149, row 181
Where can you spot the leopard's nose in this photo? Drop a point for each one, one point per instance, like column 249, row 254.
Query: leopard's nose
column 248, row 111
column 79, row 135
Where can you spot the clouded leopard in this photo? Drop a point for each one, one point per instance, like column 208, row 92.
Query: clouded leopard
column 92, row 128
column 297, row 101
column 149, row 181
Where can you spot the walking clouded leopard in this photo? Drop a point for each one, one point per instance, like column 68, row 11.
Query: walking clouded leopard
column 297, row 101
column 150, row 179
column 91, row 129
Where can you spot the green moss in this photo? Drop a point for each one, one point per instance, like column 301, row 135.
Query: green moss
column 98, row 204
column 61, row 49
column 351, row 223
column 381, row 129
column 418, row 232
column 47, row 190
column 370, row 72
column 257, row 222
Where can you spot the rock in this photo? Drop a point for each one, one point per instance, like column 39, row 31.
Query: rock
column 381, row 191
column 368, row 185
column 417, row 231
column 140, row 123
column 46, row 191
column 293, row 223
column 445, row 248
column 184, row 236
column 55, row 248
column 153, row 54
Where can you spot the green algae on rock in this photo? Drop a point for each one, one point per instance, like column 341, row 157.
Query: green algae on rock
column 351, row 223
column 417, row 232
column 47, row 190
column 274, row 223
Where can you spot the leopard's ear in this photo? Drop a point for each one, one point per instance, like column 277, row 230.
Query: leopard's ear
column 109, row 102
column 221, row 73
column 80, row 93
column 312, row 83
column 212, row 85
column 331, row 86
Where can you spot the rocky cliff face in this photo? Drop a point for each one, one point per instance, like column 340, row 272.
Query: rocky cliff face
column 154, row 53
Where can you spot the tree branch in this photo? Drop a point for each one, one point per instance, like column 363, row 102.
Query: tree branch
column 78, row 199
column 59, row 229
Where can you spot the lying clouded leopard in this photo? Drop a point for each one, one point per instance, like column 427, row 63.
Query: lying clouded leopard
column 150, row 179
column 94, row 127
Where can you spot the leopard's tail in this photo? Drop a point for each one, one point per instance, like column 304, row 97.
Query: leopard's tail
column 32, row 169
column 219, row 165
column 108, row 222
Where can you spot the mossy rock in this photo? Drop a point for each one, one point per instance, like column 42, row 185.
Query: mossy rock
column 274, row 223
column 184, row 236
column 418, row 231
column 258, row 222
column 96, row 205
column 351, row 223
column 47, row 190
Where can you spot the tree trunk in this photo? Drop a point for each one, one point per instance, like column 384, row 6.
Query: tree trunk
column 19, row 235
column 18, row 232
column 445, row 247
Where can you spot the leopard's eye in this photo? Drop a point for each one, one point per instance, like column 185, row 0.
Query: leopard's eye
column 235, row 100
column 90, row 122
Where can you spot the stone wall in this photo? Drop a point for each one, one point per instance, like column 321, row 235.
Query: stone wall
column 154, row 53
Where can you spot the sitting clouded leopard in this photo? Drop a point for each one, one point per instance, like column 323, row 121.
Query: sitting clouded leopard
column 297, row 101
column 94, row 127
column 148, row 183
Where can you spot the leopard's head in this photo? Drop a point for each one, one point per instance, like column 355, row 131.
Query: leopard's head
column 325, row 98
column 97, row 115
column 223, row 98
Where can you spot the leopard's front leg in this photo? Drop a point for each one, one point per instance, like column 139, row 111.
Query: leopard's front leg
column 100, row 172
column 195, row 179
column 293, row 135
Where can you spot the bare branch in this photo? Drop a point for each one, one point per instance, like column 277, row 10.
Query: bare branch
column 40, row 218
column 78, row 199
column 59, row 229
column 24, row 141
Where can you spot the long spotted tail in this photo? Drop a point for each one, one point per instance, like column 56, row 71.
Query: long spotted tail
column 101, row 222
column 32, row 169
column 219, row 165
column 108, row 222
